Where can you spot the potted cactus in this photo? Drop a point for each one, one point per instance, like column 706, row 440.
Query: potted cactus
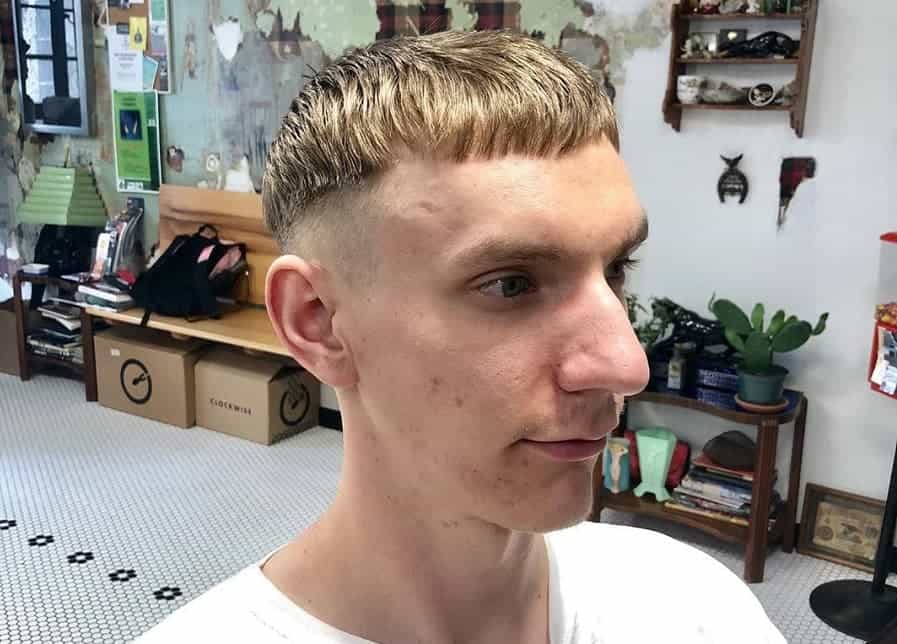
column 761, row 381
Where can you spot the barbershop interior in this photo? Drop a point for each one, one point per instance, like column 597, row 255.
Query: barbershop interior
column 159, row 434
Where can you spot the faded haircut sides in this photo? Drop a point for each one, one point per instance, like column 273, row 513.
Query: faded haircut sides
column 449, row 96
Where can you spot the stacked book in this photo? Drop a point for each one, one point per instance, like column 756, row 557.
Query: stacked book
column 711, row 490
column 60, row 334
column 104, row 296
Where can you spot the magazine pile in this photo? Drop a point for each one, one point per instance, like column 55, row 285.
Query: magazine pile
column 711, row 490
column 60, row 334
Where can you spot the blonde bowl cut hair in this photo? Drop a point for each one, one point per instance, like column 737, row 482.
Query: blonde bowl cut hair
column 448, row 96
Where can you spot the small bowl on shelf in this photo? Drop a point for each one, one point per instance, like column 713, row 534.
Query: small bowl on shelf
column 761, row 95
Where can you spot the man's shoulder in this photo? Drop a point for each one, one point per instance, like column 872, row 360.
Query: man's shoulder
column 689, row 591
column 620, row 548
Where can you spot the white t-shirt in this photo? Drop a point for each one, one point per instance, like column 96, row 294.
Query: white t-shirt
column 609, row 584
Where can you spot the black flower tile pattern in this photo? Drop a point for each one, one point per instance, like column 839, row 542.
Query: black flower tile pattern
column 6, row 524
column 41, row 540
column 167, row 593
column 122, row 574
column 80, row 557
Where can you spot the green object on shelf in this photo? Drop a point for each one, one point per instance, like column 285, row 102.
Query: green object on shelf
column 63, row 196
column 655, row 452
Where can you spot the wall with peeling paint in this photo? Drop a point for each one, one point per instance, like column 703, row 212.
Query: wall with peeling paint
column 237, row 65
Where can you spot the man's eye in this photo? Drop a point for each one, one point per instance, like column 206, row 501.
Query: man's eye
column 618, row 270
column 509, row 287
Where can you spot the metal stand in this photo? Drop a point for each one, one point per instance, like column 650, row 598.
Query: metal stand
column 860, row 608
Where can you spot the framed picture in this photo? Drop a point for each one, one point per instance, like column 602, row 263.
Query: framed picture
column 840, row 527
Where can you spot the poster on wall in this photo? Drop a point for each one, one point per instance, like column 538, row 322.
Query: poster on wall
column 137, row 161
column 143, row 42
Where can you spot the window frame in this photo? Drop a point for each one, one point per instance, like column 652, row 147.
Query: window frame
column 83, row 30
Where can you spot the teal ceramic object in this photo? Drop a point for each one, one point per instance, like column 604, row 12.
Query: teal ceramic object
column 655, row 451
column 765, row 389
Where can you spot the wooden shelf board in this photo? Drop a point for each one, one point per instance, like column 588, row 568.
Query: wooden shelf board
column 646, row 506
column 734, row 415
column 56, row 362
column 47, row 280
column 248, row 327
column 720, row 17
column 738, row 61
column 731, row 108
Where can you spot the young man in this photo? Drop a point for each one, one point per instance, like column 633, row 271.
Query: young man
column 457, row 225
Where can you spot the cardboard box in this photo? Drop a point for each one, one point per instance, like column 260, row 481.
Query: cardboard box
column 147, row 373
column 9, row 350
column 257, row 397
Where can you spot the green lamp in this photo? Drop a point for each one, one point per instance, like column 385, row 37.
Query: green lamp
column 65, row 197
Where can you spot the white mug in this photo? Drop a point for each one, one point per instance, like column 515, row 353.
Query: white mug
column 688, row 89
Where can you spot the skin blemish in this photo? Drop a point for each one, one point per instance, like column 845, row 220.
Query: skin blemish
column 459, row 401
column 435, row 383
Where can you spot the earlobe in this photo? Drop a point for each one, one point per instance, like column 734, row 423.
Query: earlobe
column 303, row 323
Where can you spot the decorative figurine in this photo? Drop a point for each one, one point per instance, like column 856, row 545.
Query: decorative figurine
column 733, row 6
column 616, row 465
column 655, row 451
column 720, row 92
column 788, row 94
column 754, row 7
column 767, row 45
column 708, row 6
column 794, row 171
column 733, row 182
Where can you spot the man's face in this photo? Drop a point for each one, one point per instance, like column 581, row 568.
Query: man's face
column 494, row 333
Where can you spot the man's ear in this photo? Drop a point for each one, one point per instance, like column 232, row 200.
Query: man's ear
column 295, row 301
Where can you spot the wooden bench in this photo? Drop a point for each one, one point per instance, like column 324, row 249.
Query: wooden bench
column 238, row 217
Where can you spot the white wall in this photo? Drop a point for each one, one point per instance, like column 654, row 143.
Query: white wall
column 826, row 258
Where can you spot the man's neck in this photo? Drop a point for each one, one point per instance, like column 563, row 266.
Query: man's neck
column 376, row 568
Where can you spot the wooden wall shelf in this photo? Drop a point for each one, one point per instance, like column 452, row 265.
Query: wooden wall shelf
column 737, row 61
column 681, row 25
column 730, row 108
column 718, row 17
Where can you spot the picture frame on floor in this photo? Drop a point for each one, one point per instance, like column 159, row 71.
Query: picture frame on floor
column 840, row 527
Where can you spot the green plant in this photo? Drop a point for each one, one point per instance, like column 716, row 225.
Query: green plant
column 656, row 327
column 757, row 344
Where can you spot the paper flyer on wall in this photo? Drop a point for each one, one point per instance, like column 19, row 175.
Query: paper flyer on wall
column 125, row 65
column 147, row 32
column 137, row 160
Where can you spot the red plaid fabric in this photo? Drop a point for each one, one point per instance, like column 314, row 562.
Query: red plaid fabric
column 497, row 14
column 431, row 16
column 7, row 40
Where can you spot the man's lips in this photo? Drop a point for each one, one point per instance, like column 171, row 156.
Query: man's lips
column 569, row 450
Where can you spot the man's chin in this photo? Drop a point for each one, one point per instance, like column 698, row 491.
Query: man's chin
column 566, row 512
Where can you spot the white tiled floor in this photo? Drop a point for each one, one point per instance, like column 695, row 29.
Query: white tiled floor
column 120, row 520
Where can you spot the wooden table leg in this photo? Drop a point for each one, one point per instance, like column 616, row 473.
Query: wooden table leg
column 597, row 484
column 758, row 530
column 21, row 330
column 90, row 368
column 797, row 452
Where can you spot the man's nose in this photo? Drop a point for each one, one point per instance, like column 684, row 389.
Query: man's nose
column 603, row 351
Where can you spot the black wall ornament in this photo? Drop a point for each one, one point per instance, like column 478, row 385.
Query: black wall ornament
column 733, row 182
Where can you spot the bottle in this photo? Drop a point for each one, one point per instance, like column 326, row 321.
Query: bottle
column 677, row 374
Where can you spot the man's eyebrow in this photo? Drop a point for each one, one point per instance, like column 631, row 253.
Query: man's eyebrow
column 637, row 237
column 502, row 250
